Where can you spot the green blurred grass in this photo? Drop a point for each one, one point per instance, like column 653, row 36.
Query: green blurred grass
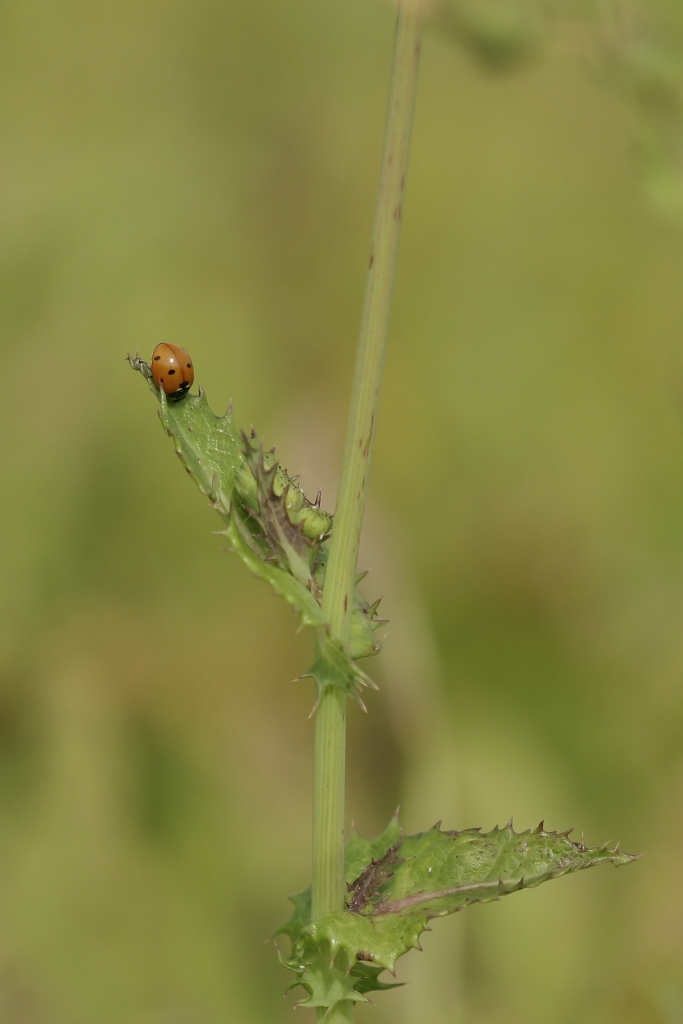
column 205, row 174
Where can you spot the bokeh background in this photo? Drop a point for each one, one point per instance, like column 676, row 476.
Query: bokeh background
column 204, row 173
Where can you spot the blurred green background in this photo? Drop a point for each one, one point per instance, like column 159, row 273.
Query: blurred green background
column 204, row 173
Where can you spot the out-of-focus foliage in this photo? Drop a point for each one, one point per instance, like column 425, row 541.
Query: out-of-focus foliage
column 636, row 49
column 205, row 174
column 501, row 34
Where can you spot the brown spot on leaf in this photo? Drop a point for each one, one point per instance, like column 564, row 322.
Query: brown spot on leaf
column 372, row 878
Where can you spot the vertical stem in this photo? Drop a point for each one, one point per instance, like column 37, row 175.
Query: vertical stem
column 341, row 569
column 329, row 769
column 337, row 602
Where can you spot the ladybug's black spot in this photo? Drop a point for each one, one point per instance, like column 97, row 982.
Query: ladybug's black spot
column 157, row 358
column 189, row 366
column 171, row 372
column 180, row 393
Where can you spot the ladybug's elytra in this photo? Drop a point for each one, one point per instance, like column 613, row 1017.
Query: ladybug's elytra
column 172, row 370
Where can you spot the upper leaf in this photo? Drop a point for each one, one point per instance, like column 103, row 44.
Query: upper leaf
column 270, row 524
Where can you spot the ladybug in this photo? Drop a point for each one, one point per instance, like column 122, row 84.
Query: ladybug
column 172, row 370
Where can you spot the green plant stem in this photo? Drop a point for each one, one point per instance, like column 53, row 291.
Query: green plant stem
column 337, row 602
column 340, row 576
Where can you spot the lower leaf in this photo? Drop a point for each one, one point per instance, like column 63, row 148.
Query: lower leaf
column 397, row 884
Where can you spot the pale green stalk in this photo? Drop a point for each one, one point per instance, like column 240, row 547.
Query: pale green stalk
column 337, row 603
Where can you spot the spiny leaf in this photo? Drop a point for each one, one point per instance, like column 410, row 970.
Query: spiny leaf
column 441, row 872
column 328, row 984
column 270, row 524
column 399, row 883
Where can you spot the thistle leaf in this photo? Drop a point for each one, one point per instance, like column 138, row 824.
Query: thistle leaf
column 270, row 524
column 398, row 884
column 328, row 984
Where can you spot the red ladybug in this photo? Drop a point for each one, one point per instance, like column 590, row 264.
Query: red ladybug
column 172, row 370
